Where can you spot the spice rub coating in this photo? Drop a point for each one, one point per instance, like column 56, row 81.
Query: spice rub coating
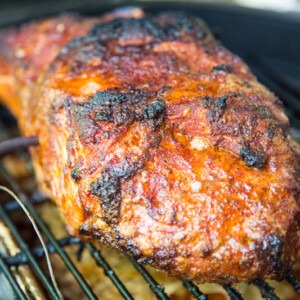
column 157, row 141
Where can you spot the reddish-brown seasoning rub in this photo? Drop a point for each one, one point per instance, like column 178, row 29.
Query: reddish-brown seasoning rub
column 156, row 140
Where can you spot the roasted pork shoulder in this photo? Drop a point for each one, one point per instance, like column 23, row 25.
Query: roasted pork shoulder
column 157, row 141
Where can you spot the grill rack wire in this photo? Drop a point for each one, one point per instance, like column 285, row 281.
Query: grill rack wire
column 281, row 85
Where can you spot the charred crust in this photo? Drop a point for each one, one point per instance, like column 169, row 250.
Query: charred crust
column 206, row 101
column 119, row 108
column 154, row 139
column 212, row 102
column 243, row 120
column 105, row 116
column 108, row 187
column 221, row 102
column 247, row 85
column 109, row 98
column 115, row 107
column 270, row 251
column 264, row 113
column 126, row 28
column 224, row 68
column 179, row 24
column 235, row 94
column 216, row 107
column 108, row 190
column 206, row 252
column 147, row 31
column 109, row 237
column 164, row 27
column 162, row 258
column 252, row 157
column 154, row 111
column 124, row 108
column 77, row 53
column 87, row 128
column 270, row 133
column 76, row 172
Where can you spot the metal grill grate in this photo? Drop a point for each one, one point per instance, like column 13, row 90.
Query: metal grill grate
column 281, row 85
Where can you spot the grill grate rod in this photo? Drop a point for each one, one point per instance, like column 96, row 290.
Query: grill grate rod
column 157, row 289
column 266, row 290
column 21, row 258
column 11, row 279
column 27, row 252
column 232, row 292
column 43, row 227
column 11, row 206
column 108, row 271
column 294, row 282
column 194, row 290
column 13, row 144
